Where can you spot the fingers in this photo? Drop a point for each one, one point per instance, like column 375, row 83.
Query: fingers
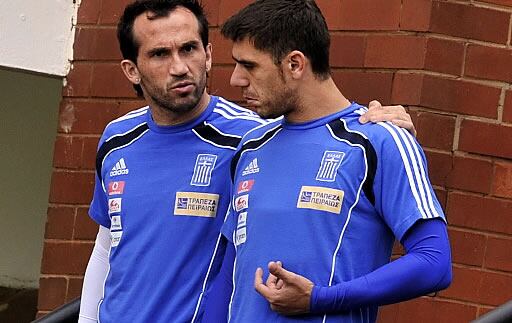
column 374, row 105
column 258, row 283
column 276, row 269
column 408, row 125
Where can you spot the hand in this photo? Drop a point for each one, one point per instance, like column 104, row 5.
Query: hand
column 394, row 113
column 288, row 293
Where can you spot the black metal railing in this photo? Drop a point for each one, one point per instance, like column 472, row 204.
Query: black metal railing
column 501, row 314
column 67, row 313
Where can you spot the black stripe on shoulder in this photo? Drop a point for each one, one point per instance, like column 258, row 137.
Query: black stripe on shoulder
column 339, row 129
column 252, row 144
column 209, row 133
column 116, row 142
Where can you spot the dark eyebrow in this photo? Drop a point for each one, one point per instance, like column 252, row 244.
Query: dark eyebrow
column 244, row 61
column 190, row 43
column 158, row 50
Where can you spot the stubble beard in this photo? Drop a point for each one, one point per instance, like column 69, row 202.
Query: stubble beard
column 280, row 105
column 177, row 105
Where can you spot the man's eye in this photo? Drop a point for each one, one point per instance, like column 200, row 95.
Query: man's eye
column 188, row 48
column 159, row 53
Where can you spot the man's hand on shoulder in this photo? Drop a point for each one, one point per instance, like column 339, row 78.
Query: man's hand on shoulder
column 288, row 293
column 396, row 114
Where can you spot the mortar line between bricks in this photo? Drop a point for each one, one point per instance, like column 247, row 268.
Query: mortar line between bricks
column 61, row 276
column 484, row 270
column 66, row 170
column 486, row 196
column 468, row 40
column 483, row 5
column 462, row 302
column 456, row 133
column 501, row 105
column 56, row 205
column 510, row 31
column 80, row 135
column 492, row 234
column 81, row 242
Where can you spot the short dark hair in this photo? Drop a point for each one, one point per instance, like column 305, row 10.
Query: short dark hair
column 160, row 8
column 281, row 26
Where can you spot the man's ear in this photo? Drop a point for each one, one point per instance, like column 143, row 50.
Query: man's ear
column 131, row 71
column 295, row 64
column 208, row 51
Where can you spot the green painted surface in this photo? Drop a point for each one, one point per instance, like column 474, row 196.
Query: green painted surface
column 28, row 122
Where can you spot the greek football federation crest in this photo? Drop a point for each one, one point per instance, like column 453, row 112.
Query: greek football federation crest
column 331, row 161
column 203, row 170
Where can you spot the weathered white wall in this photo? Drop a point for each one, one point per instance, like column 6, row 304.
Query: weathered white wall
column 37, row 35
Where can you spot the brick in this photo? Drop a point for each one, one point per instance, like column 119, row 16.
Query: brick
column 407, row 88
column 88, row 117
column 507, row 108
column 415, row 15
column 495, row 289
column 473, row 175
column 67, row 152
column 89, row 12
column 466, row 21
column 89, row 153
column 96, row 44
column 489, row 63
column 497, row 254
column 331, row 12
column 52, row 292
column 65, row 257
column 221, row 53
column 111, row 11
column 364, row 86
column 480, row 213
column 74, row 289
column 395, row 51
column 127, row 106
column 347, row 50
column 211, row 10
column 370, row 14
column 485, row 138
column 442, row 196
column 439, row 167
column 109, row 81
column 435, row 130
column 502, row 186
column 227, row 8
column 460, row 96
column 59, row 223
column 71, row 187
column 428, row 309
column 460, row 289
column 220, row 77
column 78, row 81
column 85, row 227
column 444, row 56
column 467, row 248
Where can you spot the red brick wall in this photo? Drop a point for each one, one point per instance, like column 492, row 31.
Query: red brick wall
column 449, row 61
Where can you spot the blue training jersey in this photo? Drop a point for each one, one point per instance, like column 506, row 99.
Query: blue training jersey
column 164, row 192
column 327, row 198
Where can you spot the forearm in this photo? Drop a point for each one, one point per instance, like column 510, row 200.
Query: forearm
column 217, row 302
column 425, row 268
column 94, row 279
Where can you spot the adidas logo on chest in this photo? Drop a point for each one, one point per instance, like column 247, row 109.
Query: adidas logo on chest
column 252, row 168
column 119, row 168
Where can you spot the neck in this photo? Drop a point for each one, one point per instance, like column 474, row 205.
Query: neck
column 317, row 99
column 166, row 117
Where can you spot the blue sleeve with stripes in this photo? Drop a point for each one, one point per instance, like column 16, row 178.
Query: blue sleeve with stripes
column 403, row 192
column 425, row 268
column 217, row 302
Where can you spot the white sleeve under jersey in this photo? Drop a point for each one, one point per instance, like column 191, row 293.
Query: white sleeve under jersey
column 94, row 279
